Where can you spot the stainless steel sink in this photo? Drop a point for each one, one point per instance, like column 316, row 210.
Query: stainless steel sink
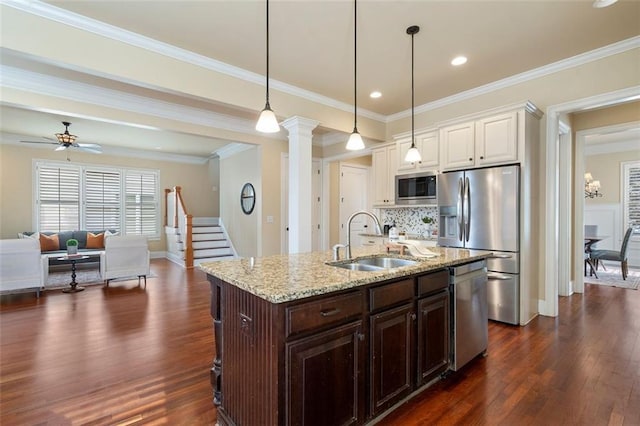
column 385, row 262
column 357, row 266
column 374, row 263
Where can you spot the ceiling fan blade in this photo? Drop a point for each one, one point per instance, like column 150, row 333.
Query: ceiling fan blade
column 47, row 143
column 60, row 148
column 89, row 147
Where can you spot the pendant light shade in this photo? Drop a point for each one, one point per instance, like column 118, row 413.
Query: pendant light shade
column 267, row 122
column 413, row 155
column 355, row 142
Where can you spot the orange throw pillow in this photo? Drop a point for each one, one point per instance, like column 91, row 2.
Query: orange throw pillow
column 49, row 242
column 95, row 241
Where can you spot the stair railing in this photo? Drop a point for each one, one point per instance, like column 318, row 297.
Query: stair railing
column 176, row 216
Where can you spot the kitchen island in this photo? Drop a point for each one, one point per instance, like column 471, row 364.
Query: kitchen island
column 302, row 342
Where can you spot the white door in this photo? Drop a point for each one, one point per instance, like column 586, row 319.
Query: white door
column 354, row 184
column 316, row 208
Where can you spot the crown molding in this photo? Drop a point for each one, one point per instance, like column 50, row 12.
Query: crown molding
column 43, row 84
column 574, row 61
column 232, row 149
column 84, row 23
column 609, row 148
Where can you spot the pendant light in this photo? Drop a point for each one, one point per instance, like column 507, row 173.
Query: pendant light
column 267, row 122
column 355, row 142
column 413, row 155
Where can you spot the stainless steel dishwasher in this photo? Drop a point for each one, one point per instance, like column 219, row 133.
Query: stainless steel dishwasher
column 469, row 312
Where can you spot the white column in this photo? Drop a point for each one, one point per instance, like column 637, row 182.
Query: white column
column 300, row 138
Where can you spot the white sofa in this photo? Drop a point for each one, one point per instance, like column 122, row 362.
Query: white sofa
column 21, row 266
column 125, row 256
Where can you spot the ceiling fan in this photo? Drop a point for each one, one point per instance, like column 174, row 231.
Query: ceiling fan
column 67, row 140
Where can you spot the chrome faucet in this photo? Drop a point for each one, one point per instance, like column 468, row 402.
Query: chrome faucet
column 375, row 220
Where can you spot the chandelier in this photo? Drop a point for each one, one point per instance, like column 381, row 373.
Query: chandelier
column 591, row 187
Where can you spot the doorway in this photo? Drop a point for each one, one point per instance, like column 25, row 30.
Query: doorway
column 354, row 184
column 557, row 183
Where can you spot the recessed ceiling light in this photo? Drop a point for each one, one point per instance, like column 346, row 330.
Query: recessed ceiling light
column 459, row 60
column 599, row 4
column 375, row 94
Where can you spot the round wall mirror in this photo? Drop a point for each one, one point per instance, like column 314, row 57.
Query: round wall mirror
column 247, row 198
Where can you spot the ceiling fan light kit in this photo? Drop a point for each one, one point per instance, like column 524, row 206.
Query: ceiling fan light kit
column 413, row 155
column 267, row 121
column 66, row 137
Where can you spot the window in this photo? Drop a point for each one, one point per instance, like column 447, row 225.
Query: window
column 87, row 197
column 631, row 195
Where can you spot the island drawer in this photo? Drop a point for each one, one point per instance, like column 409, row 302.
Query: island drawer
column 390, row 294
column 320, row 313
column 433, row 282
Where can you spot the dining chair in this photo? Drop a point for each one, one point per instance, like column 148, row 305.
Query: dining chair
column 615, row 256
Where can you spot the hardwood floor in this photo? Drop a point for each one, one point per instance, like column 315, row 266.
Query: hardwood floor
column 128, row 355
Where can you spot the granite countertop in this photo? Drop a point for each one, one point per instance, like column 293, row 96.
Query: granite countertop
column 283, row 278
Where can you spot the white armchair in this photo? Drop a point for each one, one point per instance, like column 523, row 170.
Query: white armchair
column 21, row 266
column 125, row 256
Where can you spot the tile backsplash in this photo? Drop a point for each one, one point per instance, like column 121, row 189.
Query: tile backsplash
column 410, row 219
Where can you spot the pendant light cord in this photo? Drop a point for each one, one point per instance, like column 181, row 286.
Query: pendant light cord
column 412, row 96
column 268, row 53
column 355, row 64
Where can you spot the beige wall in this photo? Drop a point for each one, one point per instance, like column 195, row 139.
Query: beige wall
column 607, row 169
column 244, row 230
column 16, row 187
column 214, row 180
column 609, row 116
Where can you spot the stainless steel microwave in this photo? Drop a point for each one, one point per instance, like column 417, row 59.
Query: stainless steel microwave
column 418, row 188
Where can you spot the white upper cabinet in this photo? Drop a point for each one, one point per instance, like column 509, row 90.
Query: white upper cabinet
column 429, row 147
column 458, row 145
column 384, row 165
column 486, row 141
column 497, row 139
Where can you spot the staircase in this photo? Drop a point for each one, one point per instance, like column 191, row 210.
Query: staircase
column 210, row 241
column 193, row 240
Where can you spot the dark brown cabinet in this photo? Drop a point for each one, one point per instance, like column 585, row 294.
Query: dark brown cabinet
column 325, row 380
column 341, row 358
column 433, row 336
column 391, row 356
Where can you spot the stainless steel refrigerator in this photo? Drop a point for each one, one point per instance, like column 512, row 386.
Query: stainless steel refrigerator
column 480, row 209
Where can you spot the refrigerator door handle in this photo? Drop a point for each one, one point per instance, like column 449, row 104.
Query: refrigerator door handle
column 467, row 209
column 459, row 208
column 499, row 277
column 500, row 256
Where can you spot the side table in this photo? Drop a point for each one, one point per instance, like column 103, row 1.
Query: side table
column 73, row 258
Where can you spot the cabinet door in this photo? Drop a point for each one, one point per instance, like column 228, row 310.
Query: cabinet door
column 429, row 147
column 433, row 336
column 458, row 145
column 497, row 139
column 325, row 380
column 391, row 356
column 402, row 146
column 427, row 144
column 385, row 166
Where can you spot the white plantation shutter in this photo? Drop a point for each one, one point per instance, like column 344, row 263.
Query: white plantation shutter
column 141, row 203
column 631, row 199
column 72, row 197
column 102, row 200
column 58, row 198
